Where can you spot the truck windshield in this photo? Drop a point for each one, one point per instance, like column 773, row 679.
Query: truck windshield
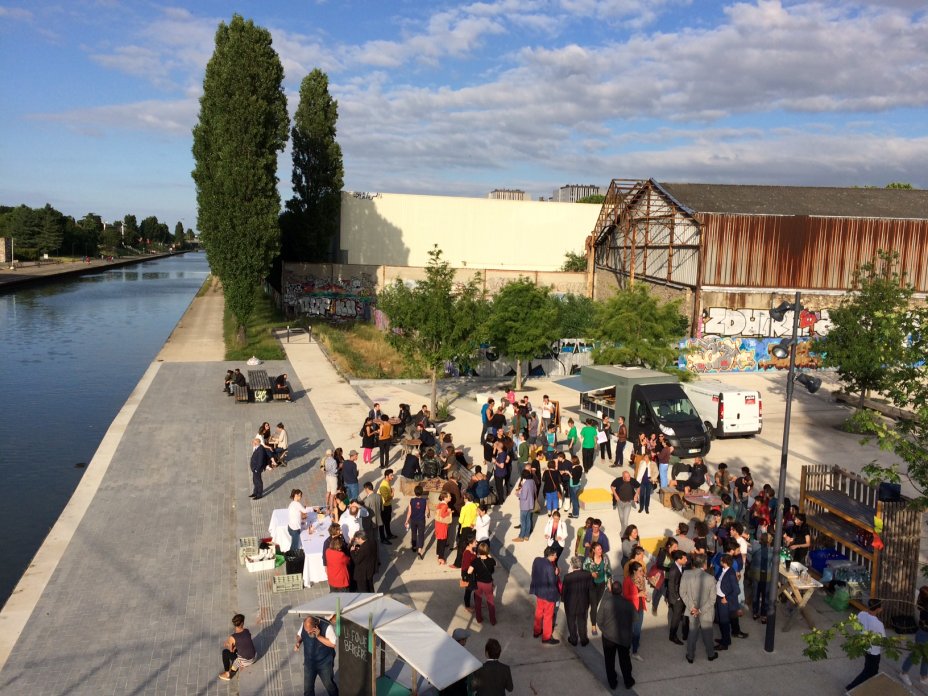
column 673, row 410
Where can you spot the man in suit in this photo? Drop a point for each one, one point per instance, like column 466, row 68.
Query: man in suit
column 576, row 598
column 364, row 559
column 259, row 461
column 726, row 601
column 697, row 590
column 675, row 604
column 494, row 678
column 615, row 618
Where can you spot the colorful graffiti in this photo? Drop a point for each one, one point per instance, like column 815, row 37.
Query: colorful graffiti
column 718, row 354
column 338, row 299
column 721, row 321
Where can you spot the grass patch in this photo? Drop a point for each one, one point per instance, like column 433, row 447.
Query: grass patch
column 363, row 352
column 207, row 284
column 260, row 342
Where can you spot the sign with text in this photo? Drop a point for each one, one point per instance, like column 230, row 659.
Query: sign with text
column 354, row 661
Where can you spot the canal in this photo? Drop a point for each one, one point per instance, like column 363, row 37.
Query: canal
column 70, row 354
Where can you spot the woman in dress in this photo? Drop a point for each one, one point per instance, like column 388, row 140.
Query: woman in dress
column 482, row 569
column 633, row 589
column 597, row 563
column 369, row 434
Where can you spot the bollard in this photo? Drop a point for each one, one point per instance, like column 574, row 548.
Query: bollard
column 288, row 334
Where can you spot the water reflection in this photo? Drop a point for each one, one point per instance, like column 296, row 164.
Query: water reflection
column 72, row 352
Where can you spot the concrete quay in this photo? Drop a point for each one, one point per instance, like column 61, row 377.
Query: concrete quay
column 29, row 273
column 135, row 587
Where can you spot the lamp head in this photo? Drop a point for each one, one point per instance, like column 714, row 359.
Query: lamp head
column 778, row 313
column 811, row 383
column 781, row 349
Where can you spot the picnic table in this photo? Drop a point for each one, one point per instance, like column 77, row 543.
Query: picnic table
column 697, row 503
column 797, row 587
column 260, row 385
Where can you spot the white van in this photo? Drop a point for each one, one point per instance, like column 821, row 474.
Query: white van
column 726, row 410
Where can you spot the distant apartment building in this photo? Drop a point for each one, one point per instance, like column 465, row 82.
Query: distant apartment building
column 508, row 195
column 571, row 193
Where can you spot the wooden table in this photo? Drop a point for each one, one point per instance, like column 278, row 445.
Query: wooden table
column 698, row 501
column 797, row 591
column 410, row 446
column 260, row 385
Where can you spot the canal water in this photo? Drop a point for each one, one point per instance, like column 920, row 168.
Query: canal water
column 70, row 354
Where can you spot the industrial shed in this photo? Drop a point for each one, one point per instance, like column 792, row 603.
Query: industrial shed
column 731, row 252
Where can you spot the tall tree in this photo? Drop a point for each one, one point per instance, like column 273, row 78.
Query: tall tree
column 310, row 224
column 51, row 230
column 522, row 322
column 435, row 321
column 575, row 316
column 179, row 234
column 242, row 126
column 150, row 230
column 867, row 341
column 130, row 230
column 112, row 235
column 638, row 329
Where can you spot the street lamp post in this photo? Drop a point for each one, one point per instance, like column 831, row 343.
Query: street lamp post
column 811, row 384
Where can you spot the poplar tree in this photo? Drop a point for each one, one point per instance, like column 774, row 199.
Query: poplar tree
column 310, row 224
column 242, row 126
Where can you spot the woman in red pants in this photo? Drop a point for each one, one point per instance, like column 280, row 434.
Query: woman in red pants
column 482, row 568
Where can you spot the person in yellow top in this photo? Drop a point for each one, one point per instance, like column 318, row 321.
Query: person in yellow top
column 467, row 527
column 386, row 495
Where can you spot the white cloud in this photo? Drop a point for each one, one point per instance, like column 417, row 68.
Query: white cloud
column 15, row 13
column 175, row 117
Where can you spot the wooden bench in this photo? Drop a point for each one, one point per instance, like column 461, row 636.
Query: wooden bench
column 240, row 393
column 260, row 385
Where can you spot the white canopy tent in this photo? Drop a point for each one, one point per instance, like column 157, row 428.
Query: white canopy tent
column 416, row 639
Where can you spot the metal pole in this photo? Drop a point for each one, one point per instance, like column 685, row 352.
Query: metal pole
column 774, row 580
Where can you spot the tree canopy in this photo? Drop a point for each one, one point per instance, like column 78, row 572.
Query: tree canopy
column 310, row 224
column 596, row 198
column 435, row 321
column 523, row 321
column 242, row 126
column 636, row 328
column 574, row 263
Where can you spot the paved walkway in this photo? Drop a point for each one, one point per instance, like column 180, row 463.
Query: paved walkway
column 198, row 335
column 30, row 272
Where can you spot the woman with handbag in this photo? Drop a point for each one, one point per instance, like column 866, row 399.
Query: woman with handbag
column 442, row 521
column 551, row 488
column 482, row 569
column 597, row 564
column 633, row 589
column 659, row 568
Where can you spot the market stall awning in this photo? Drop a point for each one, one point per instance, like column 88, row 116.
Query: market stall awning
column 581, row 383
column 415, row 638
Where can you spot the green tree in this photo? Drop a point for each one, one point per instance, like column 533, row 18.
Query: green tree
column 636, row 328
column 435, row 321
column 149, row 230
column 51, row 231
column 179, row 235
column 242, row 126
column 310, row 224
column 575, row 314
column 189, row 235
column 111, row 236
column 866, row 343
column 522, row 322
column 574, row 263
column 92, row 227
column 596, row 198
column 130, row 230
column 900, row 185
column 23, row 224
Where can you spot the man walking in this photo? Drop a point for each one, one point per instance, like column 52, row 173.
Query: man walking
column 615, row 618
column 494, row 678
column 625, row 493
column 697, row 590
column 588, row 444
column 576, row 598
column 544, row 587
column 317, row 637
column 527, row 493
column 870, row 620
column 675, row 604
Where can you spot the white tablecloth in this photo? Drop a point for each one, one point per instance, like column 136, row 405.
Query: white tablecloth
column 280, row 533
column 313, row 570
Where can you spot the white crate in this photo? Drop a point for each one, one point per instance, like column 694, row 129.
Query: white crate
column 257, row 566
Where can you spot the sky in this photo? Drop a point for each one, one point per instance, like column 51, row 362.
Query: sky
column 98, row 97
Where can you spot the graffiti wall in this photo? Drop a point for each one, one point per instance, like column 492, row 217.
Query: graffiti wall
column 741, row 340
column 338, row 299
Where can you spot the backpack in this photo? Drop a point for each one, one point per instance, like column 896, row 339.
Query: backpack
column 676, row 502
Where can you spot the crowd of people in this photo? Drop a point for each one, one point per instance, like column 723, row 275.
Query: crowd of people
column 708, row 574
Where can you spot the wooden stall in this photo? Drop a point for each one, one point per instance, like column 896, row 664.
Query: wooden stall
column 841, row 505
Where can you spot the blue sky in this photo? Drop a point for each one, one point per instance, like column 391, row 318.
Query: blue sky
column 99, row 96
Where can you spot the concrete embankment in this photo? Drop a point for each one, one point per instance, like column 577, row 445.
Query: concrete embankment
column 45, row 273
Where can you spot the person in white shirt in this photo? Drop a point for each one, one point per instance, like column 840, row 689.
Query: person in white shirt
column 556, row 534
column 870, row 620
column 281, row 442
column 296, row 513
column 483, row 524
column 351, row 519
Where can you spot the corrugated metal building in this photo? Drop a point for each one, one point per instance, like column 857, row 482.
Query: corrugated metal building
column 731, row 252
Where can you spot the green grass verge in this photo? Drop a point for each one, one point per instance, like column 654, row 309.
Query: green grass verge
column 260, row 342
column 206, row 285
column 363, row 352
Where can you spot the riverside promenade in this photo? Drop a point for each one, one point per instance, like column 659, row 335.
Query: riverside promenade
column 134, row 590
column 30, row 272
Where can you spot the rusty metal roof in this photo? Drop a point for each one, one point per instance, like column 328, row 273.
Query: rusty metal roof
column 801, row 200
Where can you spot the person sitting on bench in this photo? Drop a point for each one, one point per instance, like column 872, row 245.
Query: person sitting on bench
column 282, row 386
column 227, row 385
column 238, row 380
column 689, row 477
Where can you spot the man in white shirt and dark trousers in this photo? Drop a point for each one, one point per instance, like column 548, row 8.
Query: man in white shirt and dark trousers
column 871, row 622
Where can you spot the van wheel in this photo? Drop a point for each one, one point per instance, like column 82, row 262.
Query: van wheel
column 711, row 430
